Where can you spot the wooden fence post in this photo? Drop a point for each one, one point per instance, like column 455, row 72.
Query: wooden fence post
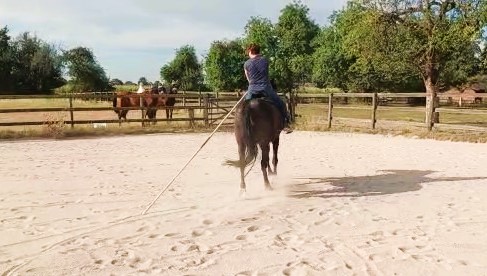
column 71, row 114
column 330, row 109
column 291, row 104
column 142, row 109
column 436, row 114
column 205, row 109
column 191, row 117
column 199, row 98
column 184, row 98
column 374, row 109
column 211, row 103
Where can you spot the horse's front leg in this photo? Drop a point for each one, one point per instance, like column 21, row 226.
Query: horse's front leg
column 264, row 164
column 275, row 147
column 122, row 116
column 154, row 116
column 119, row 114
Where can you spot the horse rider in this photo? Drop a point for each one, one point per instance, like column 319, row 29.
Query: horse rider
column 256, row 70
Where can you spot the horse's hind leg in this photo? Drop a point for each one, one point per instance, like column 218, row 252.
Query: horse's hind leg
column 151, row 115
column 264, row 164
column 169, row 113
column 241, row 154
column 275, row 147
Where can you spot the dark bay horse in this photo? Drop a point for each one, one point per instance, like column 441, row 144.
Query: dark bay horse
column 164, row 100
column 170, row 102
column 258, row 122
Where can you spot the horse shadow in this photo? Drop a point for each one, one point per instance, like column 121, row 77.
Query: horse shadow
column 391, row 182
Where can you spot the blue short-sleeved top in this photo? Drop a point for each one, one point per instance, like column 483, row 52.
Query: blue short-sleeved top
column 258, row 73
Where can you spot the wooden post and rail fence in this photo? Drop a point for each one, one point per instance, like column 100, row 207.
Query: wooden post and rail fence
column 212, row 106
column 375, row 103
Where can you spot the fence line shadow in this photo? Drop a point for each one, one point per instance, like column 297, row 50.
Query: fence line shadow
column 391, row 182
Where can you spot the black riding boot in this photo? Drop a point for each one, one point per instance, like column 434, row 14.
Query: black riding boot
column 287, row 126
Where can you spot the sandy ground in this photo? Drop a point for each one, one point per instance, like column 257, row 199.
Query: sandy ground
column 343, row 204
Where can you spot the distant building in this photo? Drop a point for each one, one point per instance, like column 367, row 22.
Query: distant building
column 469, row 95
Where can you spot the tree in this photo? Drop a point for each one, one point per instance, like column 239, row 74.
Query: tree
column 85, row 72
column 116, row 82
column 483, row 61
column 224, row 65
column 420, row 34
column 460, row 66
column 336, row 66
column 6, row 60
column 261, row 31
column 143, row 80
column 37, row 65
column 331, row 65
column 184, row 69
column 295, row 32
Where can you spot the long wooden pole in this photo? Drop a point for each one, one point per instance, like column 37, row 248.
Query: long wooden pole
column 192, row 157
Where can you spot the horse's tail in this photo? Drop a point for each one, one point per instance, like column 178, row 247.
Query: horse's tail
column 251, row 149
column 248, row 137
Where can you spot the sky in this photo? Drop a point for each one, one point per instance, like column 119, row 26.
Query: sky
column 135, row 38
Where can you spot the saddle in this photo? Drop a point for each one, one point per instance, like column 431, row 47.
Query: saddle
column 260, row 95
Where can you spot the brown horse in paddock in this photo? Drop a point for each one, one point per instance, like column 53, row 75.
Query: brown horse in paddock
column 258, row 122
column 126, row 99
column 164, row 100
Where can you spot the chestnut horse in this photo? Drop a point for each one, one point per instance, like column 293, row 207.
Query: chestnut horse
column 258, row 122
column 126, row 99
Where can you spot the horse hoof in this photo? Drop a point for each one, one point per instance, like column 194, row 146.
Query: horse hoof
column 269, row 188
column 243, row 193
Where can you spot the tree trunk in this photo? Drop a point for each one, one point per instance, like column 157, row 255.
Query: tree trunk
column 430, row 103
column 430, row 77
